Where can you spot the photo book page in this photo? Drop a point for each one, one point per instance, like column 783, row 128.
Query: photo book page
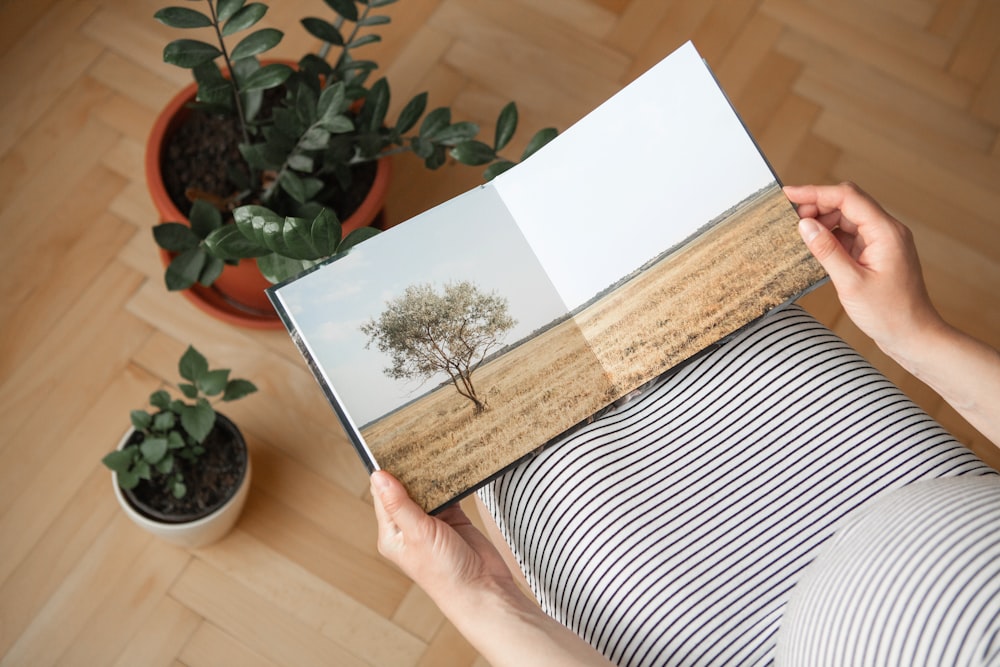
column 462, row 341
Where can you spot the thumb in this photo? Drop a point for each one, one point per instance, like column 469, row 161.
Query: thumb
column 398, row 516
column 827, row 250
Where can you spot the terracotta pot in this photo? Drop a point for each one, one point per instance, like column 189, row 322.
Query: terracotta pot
column 237, row 296
column 197, row 532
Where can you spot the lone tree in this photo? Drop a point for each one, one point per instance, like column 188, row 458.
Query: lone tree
column 425, row 333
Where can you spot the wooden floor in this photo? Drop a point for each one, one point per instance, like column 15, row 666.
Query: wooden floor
column 902, row 96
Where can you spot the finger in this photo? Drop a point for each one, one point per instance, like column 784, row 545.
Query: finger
column 401, row 521
column 828, row 251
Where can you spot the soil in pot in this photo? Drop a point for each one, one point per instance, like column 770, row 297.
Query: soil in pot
column 211, row 480
column 197, row 158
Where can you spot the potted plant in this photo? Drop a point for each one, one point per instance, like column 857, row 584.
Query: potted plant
column 298, row 146
column 182, row 471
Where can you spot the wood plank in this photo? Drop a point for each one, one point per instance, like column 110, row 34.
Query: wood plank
column 312, row 601
column 261, row 627
column 210, row 647
column 162, row 635
column 979, row 47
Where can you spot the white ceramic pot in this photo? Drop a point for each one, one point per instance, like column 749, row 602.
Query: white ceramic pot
column 193, row 534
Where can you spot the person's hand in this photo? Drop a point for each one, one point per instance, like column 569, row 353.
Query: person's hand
column 871, row 259
column 445, row 554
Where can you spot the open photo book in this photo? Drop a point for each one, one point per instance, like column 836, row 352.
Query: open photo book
column 467, row 338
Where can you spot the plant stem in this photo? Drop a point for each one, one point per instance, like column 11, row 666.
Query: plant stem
column 232, row 73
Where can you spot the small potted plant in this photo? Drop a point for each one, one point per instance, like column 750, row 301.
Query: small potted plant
column 182, row 470
column 300, row 159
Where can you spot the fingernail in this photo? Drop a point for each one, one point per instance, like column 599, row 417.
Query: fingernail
column 379, row 482
column 809, row 229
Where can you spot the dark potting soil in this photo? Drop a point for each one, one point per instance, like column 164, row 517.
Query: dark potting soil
column 198, row 155
column 211, row 480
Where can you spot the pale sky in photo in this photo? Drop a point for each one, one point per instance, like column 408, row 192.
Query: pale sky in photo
column 642, row 172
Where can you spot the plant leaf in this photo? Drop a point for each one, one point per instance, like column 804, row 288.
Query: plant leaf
column 127, row 479
column 192, row 365
column 188, row 389
column 315, row 139
column 376, row 104
column 411, row 113
column 345, row 8
column 174, row 237
column 189, row 53
column 267, row 77
column 256, row 43
column 323, row 30
column 301, row 190
column 120, row 460
column 226, row 8
column 434, row 122
column 204, row 218
column 506, row 126
column 182, row 17
column 238, row 389
column 332, row 102
column 164, row 421
column 198, row 420
column 211, row 271
column 178, row 489
column 496, row 169
column 185, row 269
column 278, row 269
column 541, row 138
column 214, row 382
column 165, row 465
column 356, row 237
column 363, row 40
column 153, row 449
column 456, row 133
column 140, row 419
column 311, row 239
column 244, row 18
column 473, row 153
column 256, row 222
column 228, row 242
column 213, row 88
column 160, row 399
column 376, row 19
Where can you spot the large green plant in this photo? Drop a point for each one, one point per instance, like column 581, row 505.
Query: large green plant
column 301, row 154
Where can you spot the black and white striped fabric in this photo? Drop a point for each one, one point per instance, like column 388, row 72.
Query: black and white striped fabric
column 672, row 531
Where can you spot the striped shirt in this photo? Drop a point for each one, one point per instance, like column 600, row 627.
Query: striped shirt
column 673, row 530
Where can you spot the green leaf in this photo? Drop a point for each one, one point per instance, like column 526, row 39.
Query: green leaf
column 356, row 237
column 541, row 138
column 160, row 399
column 226, row 8
column 411, row 113
column 188, row 389
column 332, row 102
column 120, row 460
column 236, row 389
column 473, row 153
column 256, row 43
column 496, row 169
column 198, row 420
column 213, row 88
column 178, row 489
column 376, row 104
column 315, row 139
column 192, row 365
column 323, row 30
column 345, row 8
column 189, row 53
column 211, row 271
column 213, row 383
column 267, row 77
column 153, row 449
column 506, row 126
column 363, row 40
column 255, row 222
column 164, row 421
column 204, row 218
column 434, row 122
column 314, row 239
column 185, row 269
column 377, row 19
column 165, row 465
column 228, row 242
column 140, row 419
column 278, row 269
column 142, row 469
column 174, row 440
column 301, row 190
column 174, row 237
column 244, row 18
column 127, row 479
column 182, row 17
column 437, row 158
column 456, row 134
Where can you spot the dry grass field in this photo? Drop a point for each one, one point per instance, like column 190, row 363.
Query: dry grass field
column 749, row 263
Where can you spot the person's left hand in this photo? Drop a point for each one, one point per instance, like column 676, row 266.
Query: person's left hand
column 445, row 554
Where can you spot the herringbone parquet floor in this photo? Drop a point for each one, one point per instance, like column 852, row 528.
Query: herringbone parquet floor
column 902, row 96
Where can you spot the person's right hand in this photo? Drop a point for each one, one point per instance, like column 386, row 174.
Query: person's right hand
column 872, row 262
